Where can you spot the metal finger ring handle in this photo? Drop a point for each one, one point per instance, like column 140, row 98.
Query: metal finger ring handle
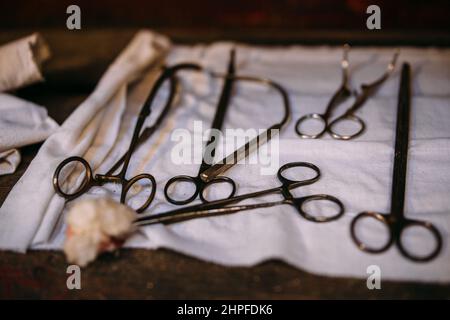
column 431, row 229
column 218, row 180
column 317, row 218
column 296, row 183
column 177, row 179
column 352, row 118
column 306, row 118
column 132, row 182
column 361, row 244
column 83, row 187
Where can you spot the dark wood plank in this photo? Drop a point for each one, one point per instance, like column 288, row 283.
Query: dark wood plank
column 164, row 274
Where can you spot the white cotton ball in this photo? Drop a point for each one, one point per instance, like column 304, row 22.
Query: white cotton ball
column 81, row 249
column 95, row 226
column 116, row 220
column 83, row 216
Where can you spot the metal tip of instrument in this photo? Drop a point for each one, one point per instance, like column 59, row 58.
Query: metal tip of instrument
column 404, row 91
column 406, row 67
column 232, row 61
column 393, row 62
column 233, row 53
column 344, row 61
column 346, row 49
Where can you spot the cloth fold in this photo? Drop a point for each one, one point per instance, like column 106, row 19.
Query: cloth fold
column 9, row 160
column 21, row 60
column 358, row 172
column 74, row 137
column 21, row 122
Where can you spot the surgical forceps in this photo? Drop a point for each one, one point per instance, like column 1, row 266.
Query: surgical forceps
column 395, row 221
column 208, row 174
column 91, row 180
column 197, row 182
column 219, row 207
column 340, row 96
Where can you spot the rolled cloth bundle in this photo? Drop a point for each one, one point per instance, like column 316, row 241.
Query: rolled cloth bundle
column 21, row 61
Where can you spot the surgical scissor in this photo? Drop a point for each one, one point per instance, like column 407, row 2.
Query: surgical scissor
column 90, row 180
column 197, row 182
column 395, row 221
column 209, row 174
column 340, row 96
column 221, row 207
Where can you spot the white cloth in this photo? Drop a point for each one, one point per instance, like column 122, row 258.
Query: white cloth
column 20, row 61
column 85, row 127
column 9, row 160
column 21, row 122
column 358, row 172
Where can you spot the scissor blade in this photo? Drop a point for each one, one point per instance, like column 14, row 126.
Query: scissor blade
column 202, row 211
column 401, row 143
column 241, row 153
column 369, row 89
column 254, row 144
column 148, row 132
column 221, row 110
column 193, row 210
column 343, row 92
column 168, row 73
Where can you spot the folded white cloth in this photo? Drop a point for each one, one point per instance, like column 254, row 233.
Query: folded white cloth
column 20, row 62
column 9, row 160
column 21, row 122
column 358, row 172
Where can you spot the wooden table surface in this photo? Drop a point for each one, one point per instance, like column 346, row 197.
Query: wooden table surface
column 78, row 62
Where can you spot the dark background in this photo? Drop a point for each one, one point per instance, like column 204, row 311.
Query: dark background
column 318, row 21
column 284, row 14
